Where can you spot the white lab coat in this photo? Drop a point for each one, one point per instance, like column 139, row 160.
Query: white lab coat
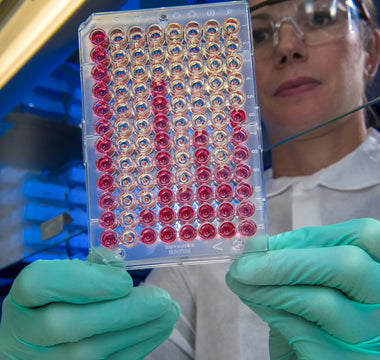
column 214, row 324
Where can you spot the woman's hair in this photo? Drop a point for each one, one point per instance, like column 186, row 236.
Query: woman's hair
column 367, row 29
column 372, row 11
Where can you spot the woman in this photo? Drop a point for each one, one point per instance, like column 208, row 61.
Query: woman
column 314, row 71
column 303, row 83
column 302, row 87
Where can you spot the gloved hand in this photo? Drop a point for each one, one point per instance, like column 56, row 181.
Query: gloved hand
column 319, row 290
column 75, row 310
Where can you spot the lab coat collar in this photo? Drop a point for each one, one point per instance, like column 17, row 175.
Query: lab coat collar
column 358, row 170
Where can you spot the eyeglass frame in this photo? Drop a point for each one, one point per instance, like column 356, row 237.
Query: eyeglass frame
column 362, row 8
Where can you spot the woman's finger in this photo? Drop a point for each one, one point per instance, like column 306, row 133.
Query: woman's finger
column 102, row 346
column 309, row 341
column 347, row 268
column 279, row 348
column 62, row 322
column 72, row 281
column 347, row 320
column 364, row 233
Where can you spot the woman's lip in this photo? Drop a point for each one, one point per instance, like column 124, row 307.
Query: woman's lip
column 296, row 86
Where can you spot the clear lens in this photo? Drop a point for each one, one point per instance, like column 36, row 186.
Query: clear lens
column 263, row 31
column 328, row 16
column 314, row 21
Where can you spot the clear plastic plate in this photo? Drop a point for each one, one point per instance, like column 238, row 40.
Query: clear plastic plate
column 172, row 135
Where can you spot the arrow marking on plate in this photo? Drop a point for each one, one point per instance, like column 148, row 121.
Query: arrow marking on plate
column 216, row 246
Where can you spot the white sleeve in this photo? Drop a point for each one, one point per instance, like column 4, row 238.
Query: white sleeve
column 179, row 283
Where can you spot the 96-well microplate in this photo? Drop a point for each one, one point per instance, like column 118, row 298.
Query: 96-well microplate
column 171, row 135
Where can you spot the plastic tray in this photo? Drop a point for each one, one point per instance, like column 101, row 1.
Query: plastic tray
column 172, row 135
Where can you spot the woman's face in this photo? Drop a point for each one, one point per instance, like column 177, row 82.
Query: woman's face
column 302, row 86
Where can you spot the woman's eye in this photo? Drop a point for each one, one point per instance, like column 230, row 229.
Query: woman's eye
column 261, row 36
column 321, row 19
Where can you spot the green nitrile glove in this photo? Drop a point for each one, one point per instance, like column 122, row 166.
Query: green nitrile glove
column 319, row 290
column 71, row 309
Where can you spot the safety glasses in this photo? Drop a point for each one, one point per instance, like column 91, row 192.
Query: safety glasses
column 315, row 22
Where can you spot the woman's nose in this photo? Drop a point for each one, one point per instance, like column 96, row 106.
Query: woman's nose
column 290, row 45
